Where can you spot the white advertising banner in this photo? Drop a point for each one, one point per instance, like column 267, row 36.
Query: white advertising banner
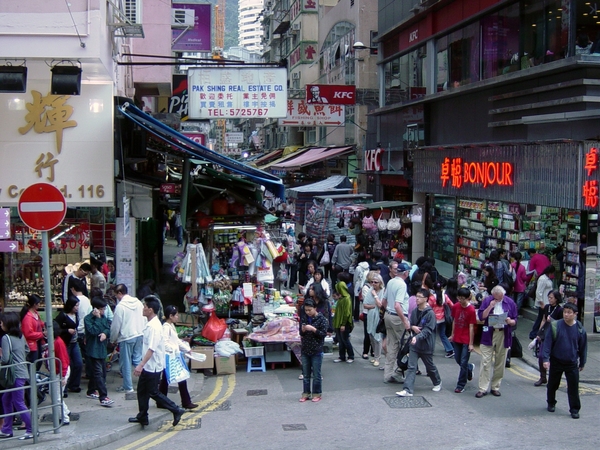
column 224, row 92
column 63, row 140
column 302, row 114
column 234, row 137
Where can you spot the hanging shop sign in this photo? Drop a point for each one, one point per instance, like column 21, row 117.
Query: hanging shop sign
column 300, row 113
column 63, row 140
column 191, row 27
column 216, row 93
column 458, row 173
column 333, row 94
column 373, row 160
column 589, row 190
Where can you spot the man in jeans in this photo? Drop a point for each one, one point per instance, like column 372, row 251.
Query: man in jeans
column 127, row 330
column 463, row 333
column 395, row 302
column 341, row 259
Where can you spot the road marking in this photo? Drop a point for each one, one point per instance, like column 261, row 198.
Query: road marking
column 583, row 388
column 161, row 436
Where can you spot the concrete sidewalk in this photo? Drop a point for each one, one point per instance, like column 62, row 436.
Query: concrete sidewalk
column 591, row 372
column 96, row 425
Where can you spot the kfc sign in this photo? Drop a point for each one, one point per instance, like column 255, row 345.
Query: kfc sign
column 373, row 160
column 332, row 94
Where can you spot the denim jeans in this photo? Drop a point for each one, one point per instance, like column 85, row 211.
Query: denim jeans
column 76, row 365
column 98, row 380
column 520, row 296
column 432, row 372
column 130, row 352
column 345, row 346
column 461, row 356
column 311, row 366
column 441, row 329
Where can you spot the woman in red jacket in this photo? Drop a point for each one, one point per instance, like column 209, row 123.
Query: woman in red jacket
column 33, row 328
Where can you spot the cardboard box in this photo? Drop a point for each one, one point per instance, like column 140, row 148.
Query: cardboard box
column 210, row 359
column 225, row 365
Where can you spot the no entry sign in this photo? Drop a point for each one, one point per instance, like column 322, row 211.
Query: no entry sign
column 42, row 207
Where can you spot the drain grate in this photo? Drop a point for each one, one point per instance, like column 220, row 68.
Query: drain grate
column 225, row 406
column 407, row 402
column 255, row 392
column 193, row 423
column 294, row 427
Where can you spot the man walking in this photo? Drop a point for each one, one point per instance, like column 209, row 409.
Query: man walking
column 565, row 350
column 151, row 366
column 81, row 273
column 423, row 325
column 341, row 259
column 395, row 302
column 463, row 333
column 127, row 329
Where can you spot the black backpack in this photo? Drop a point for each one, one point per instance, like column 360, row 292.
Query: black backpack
column 404, row 351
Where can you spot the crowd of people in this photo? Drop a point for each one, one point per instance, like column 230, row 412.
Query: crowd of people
column 404, row 307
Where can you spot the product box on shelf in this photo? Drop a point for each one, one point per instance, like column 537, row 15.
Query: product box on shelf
column 225, row 364
column 210, row 359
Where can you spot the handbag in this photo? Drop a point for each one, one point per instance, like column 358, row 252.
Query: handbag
column 355, row 219
column 405, row 217
column 516, row 349
column 368, row 223
column 382, row 223
column 7, row 372
column 393, row 222
column 325, row 259
column 530, row 292
column 177, row 369
column 381, row 325
column 341, row 223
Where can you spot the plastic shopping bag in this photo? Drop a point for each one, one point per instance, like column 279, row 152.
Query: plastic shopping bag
column 177, row 370
column 214, row 328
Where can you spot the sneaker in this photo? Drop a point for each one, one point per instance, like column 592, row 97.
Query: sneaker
column 471, row 370
column 126, row 391
column 404, row 393
column 349, row 361
column 338, row 360
column 376, row 364
column 106, row 402
column 437, row 387
column 450, row 354
column 94, row 395
column 27, row 436
column 459, row 390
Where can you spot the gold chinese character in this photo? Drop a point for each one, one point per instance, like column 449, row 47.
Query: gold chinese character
column 48, row 164
column 47, row 115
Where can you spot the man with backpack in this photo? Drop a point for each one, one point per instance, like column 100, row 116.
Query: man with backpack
column 565, row 350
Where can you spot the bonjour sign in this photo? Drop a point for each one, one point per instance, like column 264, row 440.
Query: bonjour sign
column 459, row 173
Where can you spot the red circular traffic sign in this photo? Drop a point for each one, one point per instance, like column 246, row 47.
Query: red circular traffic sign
column 42, row 207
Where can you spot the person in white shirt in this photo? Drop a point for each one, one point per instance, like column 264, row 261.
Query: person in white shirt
column 151, row 366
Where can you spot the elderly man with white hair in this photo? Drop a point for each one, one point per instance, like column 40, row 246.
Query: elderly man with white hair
column 499, row 314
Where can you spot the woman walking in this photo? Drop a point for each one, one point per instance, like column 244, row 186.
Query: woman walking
column 68, row 320
column 552, row 311
column 372, row 303
column 14, row 343
column 33, row 328
column 342, row 320
column 437, row 303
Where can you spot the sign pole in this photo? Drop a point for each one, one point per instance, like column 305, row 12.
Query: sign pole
column 54, row 393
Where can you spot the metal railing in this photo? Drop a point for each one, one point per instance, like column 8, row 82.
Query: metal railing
column 32, row 387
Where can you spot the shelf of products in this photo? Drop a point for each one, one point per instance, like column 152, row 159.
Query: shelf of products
column 470, row 240
column 442, row 219
column 572, row 272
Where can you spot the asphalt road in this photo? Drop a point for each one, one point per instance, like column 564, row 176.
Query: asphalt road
column 359, row 411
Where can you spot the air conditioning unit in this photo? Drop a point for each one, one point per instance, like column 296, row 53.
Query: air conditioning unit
column 182, row 18
column 295, row 27
column 296, row 76
column 133, row 11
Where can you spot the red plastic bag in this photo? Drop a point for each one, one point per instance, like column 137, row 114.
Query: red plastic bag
column 214, row 328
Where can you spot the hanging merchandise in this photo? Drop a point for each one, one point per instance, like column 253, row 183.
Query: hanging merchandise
column 341, row 223
column 368, row 223
column 382, row 224
column 405, row 218
column 406, row 232
column 417, row 214
column 265, row 275
column 393, row 222
column 355, row 218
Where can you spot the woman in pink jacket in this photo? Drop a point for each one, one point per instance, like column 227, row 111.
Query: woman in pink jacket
column 520, row 280
column 33, row 328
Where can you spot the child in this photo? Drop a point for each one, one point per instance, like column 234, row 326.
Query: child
column 342, row 320
column 63, row 369
column 463, row 331
column 97, row 329
column 312, row 331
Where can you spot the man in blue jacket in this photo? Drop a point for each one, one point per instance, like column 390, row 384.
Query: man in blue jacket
column 423, row 325
column 565, row 350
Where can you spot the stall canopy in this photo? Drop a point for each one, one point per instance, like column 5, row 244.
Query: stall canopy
column 195, row 150
column 311, row 156
column 263, row 159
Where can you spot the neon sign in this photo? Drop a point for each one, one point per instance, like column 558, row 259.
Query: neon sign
column 459, row 173
column 590, row 187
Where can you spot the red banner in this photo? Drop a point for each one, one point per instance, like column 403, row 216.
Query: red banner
column 332, row 94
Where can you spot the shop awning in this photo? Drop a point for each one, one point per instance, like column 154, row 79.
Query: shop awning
column 268, row 157
column 312, row 156
column 288, row 153
column 193, row 149
column 389, row 205
column 337, row 183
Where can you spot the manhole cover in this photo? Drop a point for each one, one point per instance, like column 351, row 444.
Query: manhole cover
column 254, row 392
column 407, row 402
column 193, row 423
column 225, row 406
column 294, row 427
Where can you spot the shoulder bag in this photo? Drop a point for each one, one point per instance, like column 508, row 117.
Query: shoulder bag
column 394, row 222
column 382, row 223
column 7, row 371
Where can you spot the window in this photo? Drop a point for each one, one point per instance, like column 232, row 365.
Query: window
column 350, row 127
column 405, row 77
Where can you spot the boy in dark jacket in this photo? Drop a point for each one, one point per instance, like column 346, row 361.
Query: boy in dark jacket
column 313, row 330
column 423, row 325
column 97, row 330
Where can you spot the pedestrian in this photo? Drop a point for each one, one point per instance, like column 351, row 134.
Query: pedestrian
column 178, row 229
column 372, row 303
column 14, row 343
column 68, row 321
column 174, row 345
column 565, row 350
column 342, row 319
column 313, row 330
column 499, row 314
column 329, row 247
column 33, row 328
column 552, row 312
column 463, row 333
column 85, row 307
column 520, row 279
column 422, row 344
column 395, row 303
column 544, row 287
column 63, row 367
column 437, row 302
column 341, row 258
column 97, row 330
column 151, row 366
column 126, row 330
